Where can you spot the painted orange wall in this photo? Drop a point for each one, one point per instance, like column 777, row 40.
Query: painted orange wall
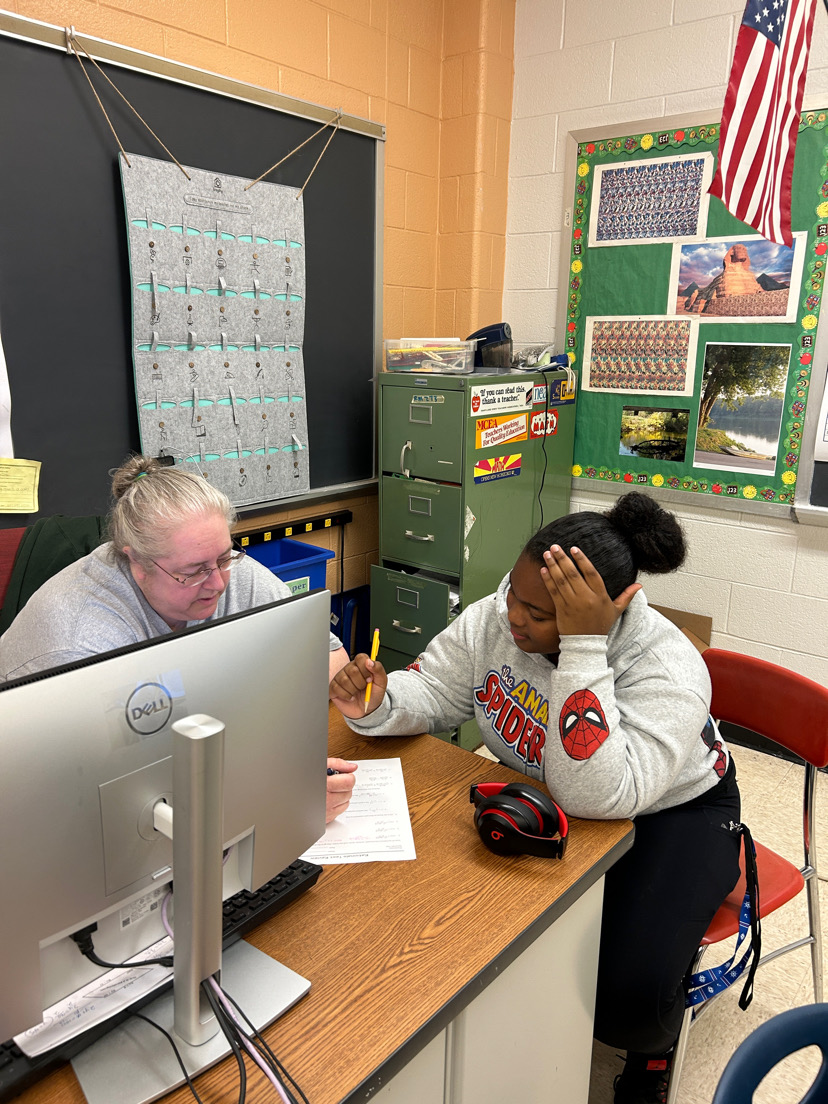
column 437, row 73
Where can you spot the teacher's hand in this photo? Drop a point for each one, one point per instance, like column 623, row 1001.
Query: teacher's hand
column 582, row 605
column 340, row 787
column 347, row 689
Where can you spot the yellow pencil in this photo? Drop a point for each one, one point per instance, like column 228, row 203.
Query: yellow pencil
column 374, row 650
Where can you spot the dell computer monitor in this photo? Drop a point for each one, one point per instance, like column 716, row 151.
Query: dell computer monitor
column 86, row 752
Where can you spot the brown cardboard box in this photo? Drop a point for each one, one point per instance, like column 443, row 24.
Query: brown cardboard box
column 695, row 626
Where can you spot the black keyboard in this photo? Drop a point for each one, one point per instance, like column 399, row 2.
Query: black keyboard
column 242, row 912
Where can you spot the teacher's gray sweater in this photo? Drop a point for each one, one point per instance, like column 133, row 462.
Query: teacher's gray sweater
column 618, row 728
column 94, row 605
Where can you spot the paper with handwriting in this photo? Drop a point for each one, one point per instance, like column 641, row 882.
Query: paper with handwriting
column 376, row 826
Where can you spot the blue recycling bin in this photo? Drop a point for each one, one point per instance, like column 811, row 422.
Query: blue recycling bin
column 301, row 566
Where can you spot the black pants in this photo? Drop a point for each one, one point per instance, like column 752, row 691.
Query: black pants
column 658, row 901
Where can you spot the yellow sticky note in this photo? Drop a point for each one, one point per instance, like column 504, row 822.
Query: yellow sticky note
column 18, row 486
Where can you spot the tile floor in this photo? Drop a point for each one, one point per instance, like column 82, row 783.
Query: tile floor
column 771, row 806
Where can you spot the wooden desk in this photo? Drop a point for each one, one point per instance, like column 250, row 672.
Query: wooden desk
column 397, row 951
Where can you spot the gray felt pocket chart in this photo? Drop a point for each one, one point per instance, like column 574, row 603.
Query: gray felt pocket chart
column 217, row 267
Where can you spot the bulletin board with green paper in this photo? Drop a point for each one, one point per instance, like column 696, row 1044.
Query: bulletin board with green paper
column 693, row 336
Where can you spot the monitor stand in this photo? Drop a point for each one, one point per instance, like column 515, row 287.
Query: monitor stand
column 134, row 1063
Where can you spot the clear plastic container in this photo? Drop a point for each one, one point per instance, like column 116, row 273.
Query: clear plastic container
column 429, row 354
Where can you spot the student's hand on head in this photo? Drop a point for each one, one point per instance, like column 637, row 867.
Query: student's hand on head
column 347, row 689
column 582, row 605
column 340, row 787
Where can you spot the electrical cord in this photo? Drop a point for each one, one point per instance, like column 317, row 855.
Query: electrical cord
column 83, row 938
column 231, row 1026
column 230, row 1036
column 179, row 1059
column 224, row 1008
column 263, row 1046
column 570, row 384
column 86, row 947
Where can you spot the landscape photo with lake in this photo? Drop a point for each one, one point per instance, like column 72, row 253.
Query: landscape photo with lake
column 654, row 433
column 741, row 406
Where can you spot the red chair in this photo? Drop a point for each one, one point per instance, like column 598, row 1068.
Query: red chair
column 792, row 711
column 9, row 543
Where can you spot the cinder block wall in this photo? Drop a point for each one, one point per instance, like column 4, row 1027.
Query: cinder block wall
column 437, row 73
column 584, row 63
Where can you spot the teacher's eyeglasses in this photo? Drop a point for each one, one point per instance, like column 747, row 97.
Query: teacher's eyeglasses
column 196, row 578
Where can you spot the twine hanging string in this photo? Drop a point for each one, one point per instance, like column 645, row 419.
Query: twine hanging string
column 74, row 45
column 335, row 121
column 322, row 154
column 72, row 50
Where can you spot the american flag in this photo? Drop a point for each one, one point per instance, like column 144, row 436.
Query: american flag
column 761, row 115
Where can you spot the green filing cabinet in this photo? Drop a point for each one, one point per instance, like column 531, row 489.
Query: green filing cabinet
column 464, row 468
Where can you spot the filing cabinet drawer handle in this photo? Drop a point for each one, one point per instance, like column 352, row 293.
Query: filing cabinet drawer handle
column 403, row 628
column 418, row 537
column 404, row 470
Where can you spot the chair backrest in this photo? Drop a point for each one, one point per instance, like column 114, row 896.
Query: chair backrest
column 768, row 1045
column 9, row 543
column 47, row 546
column 772, row 701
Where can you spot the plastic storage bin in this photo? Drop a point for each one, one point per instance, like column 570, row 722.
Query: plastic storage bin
column 301, row 566
column 410, row 354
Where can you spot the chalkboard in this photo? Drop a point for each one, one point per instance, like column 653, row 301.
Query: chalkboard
column 65, row 300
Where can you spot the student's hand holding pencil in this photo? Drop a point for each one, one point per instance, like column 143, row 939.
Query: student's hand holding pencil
column 348, row 686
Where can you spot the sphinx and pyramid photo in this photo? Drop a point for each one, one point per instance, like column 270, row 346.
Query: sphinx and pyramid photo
column 735, row 279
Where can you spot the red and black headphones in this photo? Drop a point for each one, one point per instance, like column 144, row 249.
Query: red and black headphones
column 515, row 819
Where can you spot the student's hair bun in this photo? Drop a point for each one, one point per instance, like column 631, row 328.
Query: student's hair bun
column 654, row 536
column 635, row 535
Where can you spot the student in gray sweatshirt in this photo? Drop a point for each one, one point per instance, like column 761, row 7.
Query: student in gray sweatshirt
column 574, row 680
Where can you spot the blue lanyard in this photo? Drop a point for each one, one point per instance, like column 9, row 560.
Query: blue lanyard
column 707, row 983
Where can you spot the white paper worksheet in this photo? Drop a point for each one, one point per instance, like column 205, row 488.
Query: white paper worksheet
column 376, row 826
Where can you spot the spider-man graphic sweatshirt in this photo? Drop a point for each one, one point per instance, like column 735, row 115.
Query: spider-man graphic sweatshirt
column 618, row 728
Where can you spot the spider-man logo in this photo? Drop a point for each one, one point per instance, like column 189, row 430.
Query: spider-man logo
column 583, row 725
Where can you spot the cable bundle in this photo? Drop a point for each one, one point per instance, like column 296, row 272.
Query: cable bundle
column 240, row 1033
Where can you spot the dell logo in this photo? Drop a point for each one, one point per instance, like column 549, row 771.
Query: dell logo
column 148, row 708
